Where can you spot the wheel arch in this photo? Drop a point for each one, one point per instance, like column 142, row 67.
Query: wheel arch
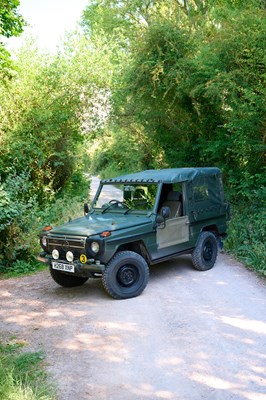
column 211, row 228
column 137, row 247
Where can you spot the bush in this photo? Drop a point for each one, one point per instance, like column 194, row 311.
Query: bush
column 17, row 213
column 19, row 267
column 247, row 233
column 21, row 219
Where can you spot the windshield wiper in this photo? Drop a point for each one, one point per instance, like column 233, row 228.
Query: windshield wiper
column 106, row 208
column 127, row 211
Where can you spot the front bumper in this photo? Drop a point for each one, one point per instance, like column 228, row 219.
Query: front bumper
column 90, row 267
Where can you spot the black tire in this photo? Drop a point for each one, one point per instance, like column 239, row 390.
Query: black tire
column 66, row 280
column 126, row 275
column 205, row 253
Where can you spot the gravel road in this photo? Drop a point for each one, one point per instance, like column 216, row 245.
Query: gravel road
column 191, row 335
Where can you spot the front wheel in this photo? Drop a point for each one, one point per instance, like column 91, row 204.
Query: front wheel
column 205, row 253
column 66, row 280
column 126, row 275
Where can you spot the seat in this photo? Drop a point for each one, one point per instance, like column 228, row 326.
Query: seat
column 173, row 201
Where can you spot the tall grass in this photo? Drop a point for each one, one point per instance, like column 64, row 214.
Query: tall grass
column 22, row 376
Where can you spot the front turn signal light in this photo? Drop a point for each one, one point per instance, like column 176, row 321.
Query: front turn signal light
column 47, row 228
column 105, row 234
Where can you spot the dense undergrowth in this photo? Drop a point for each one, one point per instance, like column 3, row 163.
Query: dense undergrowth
column 22, row 376
column 18, row 257
column 247, row 232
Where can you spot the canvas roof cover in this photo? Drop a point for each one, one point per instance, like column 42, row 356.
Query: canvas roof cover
column 171, row 175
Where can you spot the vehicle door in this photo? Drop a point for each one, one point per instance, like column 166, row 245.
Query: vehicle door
column 173, row 233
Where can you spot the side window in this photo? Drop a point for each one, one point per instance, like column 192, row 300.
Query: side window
column 177, row 187
column 172, row 197
column 200, row 193
column 208, row 189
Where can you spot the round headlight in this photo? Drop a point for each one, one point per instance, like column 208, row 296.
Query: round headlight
column 69, row 256
column 55, row 254
column 44, row 241
column 95, row 247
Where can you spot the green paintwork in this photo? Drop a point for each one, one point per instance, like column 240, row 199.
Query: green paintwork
column 96, row 223
column 203, row 209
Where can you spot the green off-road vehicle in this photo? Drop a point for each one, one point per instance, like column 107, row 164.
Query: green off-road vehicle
column 135, row 221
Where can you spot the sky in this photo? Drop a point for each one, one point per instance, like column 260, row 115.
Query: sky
column 49, row 20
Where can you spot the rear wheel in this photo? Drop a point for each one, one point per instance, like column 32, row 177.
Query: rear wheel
column 205, row 253
column 126, row 275
column 66, row 280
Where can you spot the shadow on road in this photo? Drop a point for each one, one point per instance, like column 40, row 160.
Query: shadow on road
column 191, row 335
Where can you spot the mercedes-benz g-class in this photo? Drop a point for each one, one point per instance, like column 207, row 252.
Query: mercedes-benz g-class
column 135, row 221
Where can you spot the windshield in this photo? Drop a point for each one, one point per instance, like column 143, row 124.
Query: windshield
column 133, row 197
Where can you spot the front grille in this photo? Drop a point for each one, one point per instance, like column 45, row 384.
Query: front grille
column 65, row 243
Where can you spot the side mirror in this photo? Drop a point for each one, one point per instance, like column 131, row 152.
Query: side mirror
column 163, row 215
column 86, row 209
column 165, row 212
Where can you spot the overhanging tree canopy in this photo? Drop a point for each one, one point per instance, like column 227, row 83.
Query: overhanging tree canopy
column 11, row 24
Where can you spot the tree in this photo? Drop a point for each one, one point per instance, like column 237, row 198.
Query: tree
column 11, row 24
column 195, row 77
column 40, row 126
column 48, row 110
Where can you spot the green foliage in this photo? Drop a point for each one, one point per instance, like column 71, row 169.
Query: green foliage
column 204, row 91
column 19, row 267
column 41, row 144
column 114, row 17
column 247, row 232
column 11, row 24
column 19, row 242
column 17, row 208
column 21, row 374
column 229, row 90
column 43, row 115
column 154, row 96
column 67, row 205
column 154, row 84
column 44, row 135
column 119, row 154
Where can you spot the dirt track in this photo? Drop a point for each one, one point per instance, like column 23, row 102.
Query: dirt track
column 191, row 335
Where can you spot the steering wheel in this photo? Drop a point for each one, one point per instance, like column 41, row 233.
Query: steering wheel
column 118, row 203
